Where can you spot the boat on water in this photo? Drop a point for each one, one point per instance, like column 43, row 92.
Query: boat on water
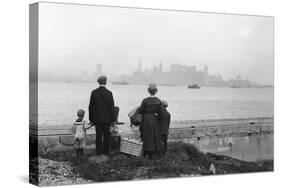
column 235, row 86
column 120, row 83
column 194, row 86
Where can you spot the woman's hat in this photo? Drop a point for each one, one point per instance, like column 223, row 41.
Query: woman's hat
column 152, row 88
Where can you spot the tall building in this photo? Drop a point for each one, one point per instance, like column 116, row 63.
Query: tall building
column 206, row 76
column 140, row 65
column 206, row 70
column 160, row 67
column 154, row 69
column 99, row 68
column 238, row 77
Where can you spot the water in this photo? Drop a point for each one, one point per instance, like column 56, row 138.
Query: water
column 59, row 101
column 249, row 148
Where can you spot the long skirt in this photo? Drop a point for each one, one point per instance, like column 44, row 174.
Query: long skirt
column 150, row 133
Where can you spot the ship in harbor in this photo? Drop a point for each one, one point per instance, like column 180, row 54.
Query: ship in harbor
column 194, row 86
column 235, row 86
column 120, row 83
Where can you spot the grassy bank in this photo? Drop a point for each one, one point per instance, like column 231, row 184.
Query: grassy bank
column 180, row 160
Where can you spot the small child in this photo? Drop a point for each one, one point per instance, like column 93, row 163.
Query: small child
column 79, row 132
column 164, row 121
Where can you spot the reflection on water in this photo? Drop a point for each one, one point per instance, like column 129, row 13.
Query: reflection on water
column 254, row 147
column 249, row 148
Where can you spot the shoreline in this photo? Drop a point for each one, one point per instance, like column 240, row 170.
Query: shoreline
column 249, row 138
column 181, row 160
column 262, row 86
column 193, row 146
column 174, row 123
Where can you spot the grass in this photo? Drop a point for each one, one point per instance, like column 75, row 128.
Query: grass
column 180, row 160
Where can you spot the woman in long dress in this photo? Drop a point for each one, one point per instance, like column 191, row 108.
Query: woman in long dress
column 149, row 128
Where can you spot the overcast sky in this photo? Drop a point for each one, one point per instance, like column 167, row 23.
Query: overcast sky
column 74, row 38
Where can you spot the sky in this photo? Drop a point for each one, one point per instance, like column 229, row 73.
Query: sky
column 74, row 38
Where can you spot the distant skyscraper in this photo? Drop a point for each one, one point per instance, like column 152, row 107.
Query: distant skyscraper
column 140, row 65
column 238, row 77
column 160, row 67
column 206, row 75
column 206, row 70
column 154, row 69
column 99, row 68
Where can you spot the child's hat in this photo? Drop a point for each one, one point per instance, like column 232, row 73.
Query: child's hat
column 164, row 103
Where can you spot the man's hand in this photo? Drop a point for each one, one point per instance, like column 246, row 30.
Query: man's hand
column 91, row 125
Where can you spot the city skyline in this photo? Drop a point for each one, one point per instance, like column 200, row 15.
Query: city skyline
column 141, row 75
column 73, row 39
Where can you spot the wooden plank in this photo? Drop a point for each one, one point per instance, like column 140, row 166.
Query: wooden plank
column 50, row 132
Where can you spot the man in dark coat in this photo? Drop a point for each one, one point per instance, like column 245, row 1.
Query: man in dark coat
column 101, row 114
column 164, row 121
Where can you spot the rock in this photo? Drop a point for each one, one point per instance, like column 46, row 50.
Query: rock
column 57, row 173
column 141, row 172
column 212, row 169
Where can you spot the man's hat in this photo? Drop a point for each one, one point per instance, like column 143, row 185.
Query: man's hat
column 102, row 80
